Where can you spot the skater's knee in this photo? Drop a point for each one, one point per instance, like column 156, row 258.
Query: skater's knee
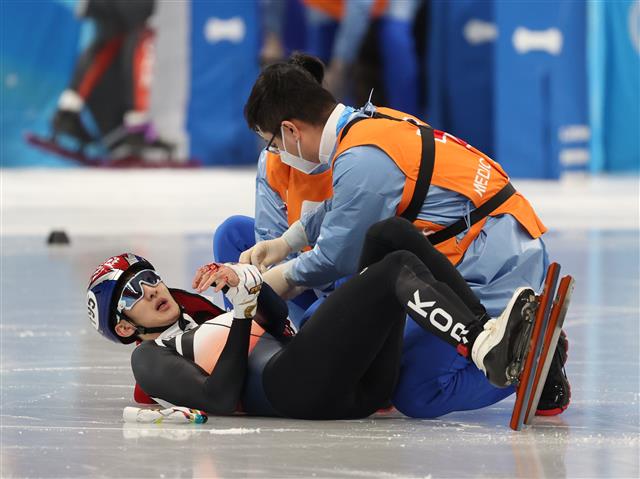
column 400, row 258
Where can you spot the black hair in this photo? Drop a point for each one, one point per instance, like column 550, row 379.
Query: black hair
column 288, row 90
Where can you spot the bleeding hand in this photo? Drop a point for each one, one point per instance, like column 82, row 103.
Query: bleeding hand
column 220, row 274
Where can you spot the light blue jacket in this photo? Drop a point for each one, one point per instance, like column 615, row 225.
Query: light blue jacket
column 367, row 187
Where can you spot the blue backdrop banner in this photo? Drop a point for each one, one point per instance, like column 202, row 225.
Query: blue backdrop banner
column 461, row 49
column 541, row 114
column 614, row 58
column 39, row 42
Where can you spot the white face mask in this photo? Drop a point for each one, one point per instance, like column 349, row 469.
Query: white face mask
column 297, row 162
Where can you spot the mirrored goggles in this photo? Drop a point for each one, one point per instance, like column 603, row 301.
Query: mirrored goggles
column 133, row 292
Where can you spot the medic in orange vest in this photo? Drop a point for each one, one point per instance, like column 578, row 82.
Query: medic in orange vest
column 386, row 163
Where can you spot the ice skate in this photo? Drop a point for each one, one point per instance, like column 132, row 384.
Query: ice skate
column 141, row 142
column 500, row 349
column 546, row 355
column 556, row 393
column 69, row 123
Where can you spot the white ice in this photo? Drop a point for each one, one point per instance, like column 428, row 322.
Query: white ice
column 64, row 387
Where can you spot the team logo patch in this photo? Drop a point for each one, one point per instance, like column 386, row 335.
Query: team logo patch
column 92, row 309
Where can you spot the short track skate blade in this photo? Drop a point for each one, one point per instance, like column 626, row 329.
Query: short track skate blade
column 524, row 388
column 558, row 313
column 51, row 146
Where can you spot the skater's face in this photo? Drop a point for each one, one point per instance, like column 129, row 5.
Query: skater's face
column 155, row 308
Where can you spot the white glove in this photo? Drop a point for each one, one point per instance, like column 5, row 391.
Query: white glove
column 244, row 296
column 266, row 253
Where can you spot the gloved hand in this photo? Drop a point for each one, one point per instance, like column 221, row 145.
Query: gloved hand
column 266, row 253
column 244, row 296
column 242, row 282
column 275, row 278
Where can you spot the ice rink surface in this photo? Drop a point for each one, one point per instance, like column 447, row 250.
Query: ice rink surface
column 64, row 387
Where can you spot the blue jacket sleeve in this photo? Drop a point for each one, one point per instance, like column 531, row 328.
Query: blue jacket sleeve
column 312, row 221
column 271, row 212
column 367, row 188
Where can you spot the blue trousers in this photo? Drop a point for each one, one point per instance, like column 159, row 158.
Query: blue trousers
column 434, row 379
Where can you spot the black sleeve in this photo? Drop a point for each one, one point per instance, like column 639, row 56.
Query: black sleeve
column 162, row 373
column 272, row 312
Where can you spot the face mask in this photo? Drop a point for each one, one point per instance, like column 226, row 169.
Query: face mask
column 297, row 162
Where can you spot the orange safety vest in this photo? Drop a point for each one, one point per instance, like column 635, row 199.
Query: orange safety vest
column 295, row 187
column 335, row 8
column 458, row 167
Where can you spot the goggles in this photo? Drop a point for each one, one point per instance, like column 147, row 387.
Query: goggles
column 133, row 292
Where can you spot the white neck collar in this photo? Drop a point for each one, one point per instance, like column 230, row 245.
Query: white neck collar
column 330, row 135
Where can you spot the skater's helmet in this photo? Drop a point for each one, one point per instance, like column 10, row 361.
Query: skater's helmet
column 104, row 291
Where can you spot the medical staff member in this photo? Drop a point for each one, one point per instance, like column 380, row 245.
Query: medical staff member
column 386, row 163
column 283, row 195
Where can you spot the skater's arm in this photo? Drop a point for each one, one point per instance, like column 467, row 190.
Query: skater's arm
column 273, row 313
column 163, row 373
column 367, row 187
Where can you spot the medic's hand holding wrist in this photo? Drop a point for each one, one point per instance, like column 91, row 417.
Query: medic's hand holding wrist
column 266, row 253
column 270, row 252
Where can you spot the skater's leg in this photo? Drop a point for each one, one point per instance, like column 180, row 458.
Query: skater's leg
column 342, row 340
column 136, row 68
column 97, row 58
column 496, row 346
column 89, row 71
column 398, row 234
column 331, row 369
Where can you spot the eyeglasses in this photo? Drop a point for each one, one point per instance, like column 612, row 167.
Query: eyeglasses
column 271, row 148
column 133, row 292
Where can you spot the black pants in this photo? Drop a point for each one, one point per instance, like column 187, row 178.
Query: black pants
column 345, row 362
column 105, row 73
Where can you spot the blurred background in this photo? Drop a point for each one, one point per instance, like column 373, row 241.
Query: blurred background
column 542, row 87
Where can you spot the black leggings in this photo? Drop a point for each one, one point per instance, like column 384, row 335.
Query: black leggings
column 345, row 362
column 105, row 74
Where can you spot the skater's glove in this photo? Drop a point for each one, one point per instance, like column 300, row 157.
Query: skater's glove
column 244, row 296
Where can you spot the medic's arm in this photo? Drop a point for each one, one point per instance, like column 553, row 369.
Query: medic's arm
column 367, row 187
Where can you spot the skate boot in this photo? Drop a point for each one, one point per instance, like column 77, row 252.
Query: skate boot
column 142, row 142
column 556, row 393
column 500, row 349
column 69, row 123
